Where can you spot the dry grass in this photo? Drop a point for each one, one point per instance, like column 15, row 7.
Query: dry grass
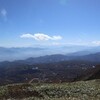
column 88, row 90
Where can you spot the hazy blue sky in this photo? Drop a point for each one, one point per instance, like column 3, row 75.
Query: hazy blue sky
column 49, row 22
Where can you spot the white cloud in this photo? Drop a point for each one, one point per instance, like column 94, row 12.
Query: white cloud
column 26, row 36
column 97, row 43
column 3, row 13
column 41, row 36
column 56, row 37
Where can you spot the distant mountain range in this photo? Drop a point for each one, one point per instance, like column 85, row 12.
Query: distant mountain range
column 95, row 58
column 11, row 54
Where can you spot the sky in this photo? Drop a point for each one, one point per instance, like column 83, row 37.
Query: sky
column 30, row 23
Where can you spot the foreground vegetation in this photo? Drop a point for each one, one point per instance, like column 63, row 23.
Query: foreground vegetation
column 83, row 90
